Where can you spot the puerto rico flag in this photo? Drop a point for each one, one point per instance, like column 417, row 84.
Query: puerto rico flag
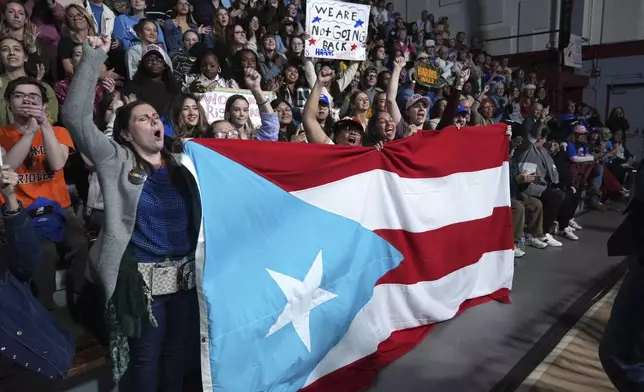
column 318, row 265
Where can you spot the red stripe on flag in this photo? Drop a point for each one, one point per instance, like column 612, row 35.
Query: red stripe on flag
column 361, row 374
column 434, row 254
column 428, row 154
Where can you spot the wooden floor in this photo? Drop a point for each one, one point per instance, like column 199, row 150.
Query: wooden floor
column 573, row 366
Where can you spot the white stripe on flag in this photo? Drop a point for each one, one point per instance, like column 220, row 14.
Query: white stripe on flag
column 395, row 307
column 380, row 199
column 204, row 336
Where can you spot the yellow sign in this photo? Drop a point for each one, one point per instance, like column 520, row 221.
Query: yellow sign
column 426, row 76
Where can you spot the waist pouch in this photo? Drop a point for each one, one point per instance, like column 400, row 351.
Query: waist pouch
column 169, row 276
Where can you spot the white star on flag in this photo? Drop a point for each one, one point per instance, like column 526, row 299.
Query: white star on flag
column 301, row 298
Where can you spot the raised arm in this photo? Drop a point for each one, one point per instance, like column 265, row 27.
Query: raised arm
column 78, row 110
column 309, row 71
column 392, row 90
column 312, row 128
column 454, row 98
column 270, row 123
column 347, row 76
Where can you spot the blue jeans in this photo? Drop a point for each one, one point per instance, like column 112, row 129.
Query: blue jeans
column 622, row 347
column 597, row 182
column 157, row 358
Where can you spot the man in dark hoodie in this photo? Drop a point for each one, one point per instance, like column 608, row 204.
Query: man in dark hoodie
column 621, row 351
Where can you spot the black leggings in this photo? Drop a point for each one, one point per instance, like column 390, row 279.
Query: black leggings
column 558, row 205
column 552, row 200
column 568, row 208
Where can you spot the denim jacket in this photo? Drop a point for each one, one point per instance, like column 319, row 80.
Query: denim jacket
column 29, row 336
column 174, row 35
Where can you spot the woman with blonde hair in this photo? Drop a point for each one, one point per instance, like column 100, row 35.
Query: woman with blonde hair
column 15, row 23
column 77, row 27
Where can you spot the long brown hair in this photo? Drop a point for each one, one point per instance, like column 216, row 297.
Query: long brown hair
column 217, row 30
column 30, row 33
column 179, row 127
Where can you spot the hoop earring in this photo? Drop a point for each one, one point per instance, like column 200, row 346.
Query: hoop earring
column 219, row 70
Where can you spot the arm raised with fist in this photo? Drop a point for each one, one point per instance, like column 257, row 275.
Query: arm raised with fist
column 270, row 127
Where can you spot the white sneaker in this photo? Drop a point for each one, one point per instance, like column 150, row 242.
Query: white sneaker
column 568, row 234
column 574, row 225
column 535, row 242
column 518, row 253
column 549, row 239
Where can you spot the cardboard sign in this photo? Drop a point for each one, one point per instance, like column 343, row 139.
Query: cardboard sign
column 214, row 104
column 426, row 76
column 337, row 30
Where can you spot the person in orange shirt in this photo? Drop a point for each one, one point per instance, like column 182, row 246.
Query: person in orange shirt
column 38, row 151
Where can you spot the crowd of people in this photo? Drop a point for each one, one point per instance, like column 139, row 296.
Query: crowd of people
column 101, row 95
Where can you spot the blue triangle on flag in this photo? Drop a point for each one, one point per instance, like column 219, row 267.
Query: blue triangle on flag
column 251, row 227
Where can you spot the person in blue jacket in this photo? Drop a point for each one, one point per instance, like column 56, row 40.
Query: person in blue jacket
column 124, row 26
column 29, row 336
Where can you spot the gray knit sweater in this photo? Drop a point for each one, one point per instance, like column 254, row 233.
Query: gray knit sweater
column 113, row 164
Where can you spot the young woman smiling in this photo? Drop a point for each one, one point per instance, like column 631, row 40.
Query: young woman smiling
column 188, row 119
column 152, row 218
column 237, row 111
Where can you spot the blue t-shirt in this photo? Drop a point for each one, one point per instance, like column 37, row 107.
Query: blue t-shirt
column 573, row 151
column 97, row 10
column 163, row 220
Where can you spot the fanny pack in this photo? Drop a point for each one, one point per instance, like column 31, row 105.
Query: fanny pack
column 169, row 276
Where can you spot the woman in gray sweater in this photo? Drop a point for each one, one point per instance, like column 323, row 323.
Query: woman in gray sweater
column 152, row 217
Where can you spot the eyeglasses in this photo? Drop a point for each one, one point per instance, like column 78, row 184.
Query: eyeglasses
column 285, row 110
column 240, row 32
column 32, row 96
column 372, row 75
column 232, row 134
column 76, row 17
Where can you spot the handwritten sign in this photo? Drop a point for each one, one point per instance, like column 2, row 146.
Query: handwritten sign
column 337, row 30
column 426, row 76
column 214, row 104
column 572, row 53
